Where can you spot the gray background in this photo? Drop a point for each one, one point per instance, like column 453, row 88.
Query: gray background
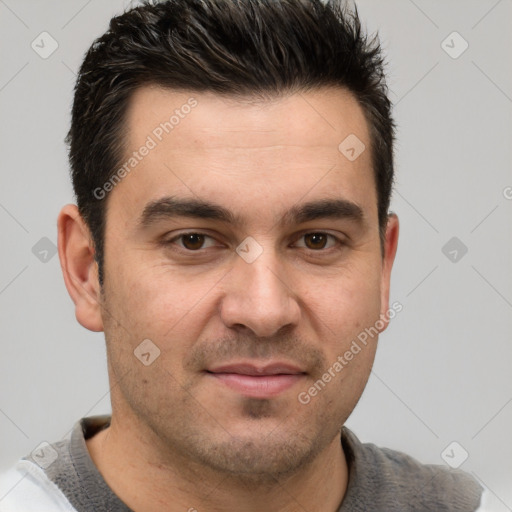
column 442, row 372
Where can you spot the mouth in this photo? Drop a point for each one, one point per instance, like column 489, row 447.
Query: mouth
column 258, row 380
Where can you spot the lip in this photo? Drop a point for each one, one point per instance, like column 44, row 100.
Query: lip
column 258, row 380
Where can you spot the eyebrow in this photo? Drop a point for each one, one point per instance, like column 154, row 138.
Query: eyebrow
column 170, row 207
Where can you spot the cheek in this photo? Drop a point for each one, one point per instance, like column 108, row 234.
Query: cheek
column 161, row 303
column 347, row 303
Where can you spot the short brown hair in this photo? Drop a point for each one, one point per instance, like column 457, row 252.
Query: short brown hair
column 240, row 48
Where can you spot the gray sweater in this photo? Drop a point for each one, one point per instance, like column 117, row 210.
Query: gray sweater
column 380, row 479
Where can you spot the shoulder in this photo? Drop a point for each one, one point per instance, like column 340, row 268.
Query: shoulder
column 26, row 488
column 399, row 482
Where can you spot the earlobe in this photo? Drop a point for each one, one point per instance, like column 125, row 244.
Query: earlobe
column 79, row 269
column 390, row 247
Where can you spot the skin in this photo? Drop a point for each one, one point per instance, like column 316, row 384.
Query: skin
column 180, row 439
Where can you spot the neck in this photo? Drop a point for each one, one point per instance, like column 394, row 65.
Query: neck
column 148, row 477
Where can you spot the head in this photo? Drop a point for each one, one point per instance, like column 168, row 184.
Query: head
column 232, row 163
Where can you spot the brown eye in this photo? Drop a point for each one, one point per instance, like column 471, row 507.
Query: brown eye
column 316, row 240
column 192, row 241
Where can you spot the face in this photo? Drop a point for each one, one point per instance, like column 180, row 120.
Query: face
column 244, row 245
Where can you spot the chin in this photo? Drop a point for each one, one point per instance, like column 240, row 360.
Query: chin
column 260, row 455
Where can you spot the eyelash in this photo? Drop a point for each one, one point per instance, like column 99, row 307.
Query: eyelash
column 339, row 242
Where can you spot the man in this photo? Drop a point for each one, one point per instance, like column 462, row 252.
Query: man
column 232, row 163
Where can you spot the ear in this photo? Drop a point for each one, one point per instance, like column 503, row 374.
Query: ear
column 80, row 270
column 390, row 247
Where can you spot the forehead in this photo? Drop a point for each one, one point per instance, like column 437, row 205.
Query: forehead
column 240, row 151
column 318, row 117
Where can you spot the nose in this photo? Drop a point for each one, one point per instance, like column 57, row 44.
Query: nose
column 259, row 296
